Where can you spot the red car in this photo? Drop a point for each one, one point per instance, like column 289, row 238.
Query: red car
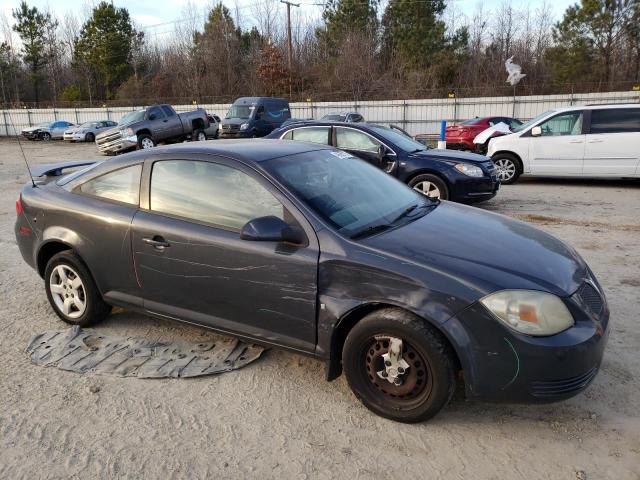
column 460, row 137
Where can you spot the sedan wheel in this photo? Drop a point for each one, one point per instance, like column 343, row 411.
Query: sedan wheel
column 428, row 189
column 68, row 291
column 46, row 136
column 506, row 169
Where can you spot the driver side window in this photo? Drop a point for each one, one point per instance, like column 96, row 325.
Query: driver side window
column 349, row 139
column 569, row 123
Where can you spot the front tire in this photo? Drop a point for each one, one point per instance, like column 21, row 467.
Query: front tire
column 72, row 292
column 430, row 186
column 45, row 136
column 199, row 136
column 427, row 381
column 145, row 142
column 89, row 137
column 509, row 168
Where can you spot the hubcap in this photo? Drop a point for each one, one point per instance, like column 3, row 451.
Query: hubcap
column 67, row 291
column 147, row 143
column 506, row 169
column 46, row 137
column 395, row 369
column 428, row 189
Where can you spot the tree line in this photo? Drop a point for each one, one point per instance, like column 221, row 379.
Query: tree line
column 356, row 50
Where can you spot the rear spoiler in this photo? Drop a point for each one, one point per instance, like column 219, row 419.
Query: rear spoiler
column 55, row 169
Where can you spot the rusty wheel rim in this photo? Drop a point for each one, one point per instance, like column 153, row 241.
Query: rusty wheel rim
column 417, row 380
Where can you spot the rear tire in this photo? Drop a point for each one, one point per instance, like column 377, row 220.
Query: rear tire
column 509, row 168
column 199, row 136
column 427, row 384
column 145, row 142
column 430, row 186
column 72, row 292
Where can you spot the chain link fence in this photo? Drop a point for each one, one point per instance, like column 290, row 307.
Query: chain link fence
column 414, row 116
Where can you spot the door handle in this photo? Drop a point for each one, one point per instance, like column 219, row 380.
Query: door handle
column 596, row 141
column 156, row 242
column 576, row 141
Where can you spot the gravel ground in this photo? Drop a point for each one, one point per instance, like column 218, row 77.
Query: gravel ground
column 279, row 418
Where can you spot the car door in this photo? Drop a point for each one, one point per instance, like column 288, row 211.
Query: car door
column 157, row 123
column 193, row 266
column 58, row 129
column 358, row 143
column 613, row 142
column 174, row 126
column 559, row 150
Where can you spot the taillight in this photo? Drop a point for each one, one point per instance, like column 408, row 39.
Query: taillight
column 19, row 209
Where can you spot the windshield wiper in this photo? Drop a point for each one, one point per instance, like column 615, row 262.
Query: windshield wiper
column 371, row 230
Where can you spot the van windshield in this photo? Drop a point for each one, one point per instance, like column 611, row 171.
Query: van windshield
column 240, row 111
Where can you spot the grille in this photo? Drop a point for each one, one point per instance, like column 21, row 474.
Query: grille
column 109, row 138
column 230, row 128
column 562, row 387
column 589, row 297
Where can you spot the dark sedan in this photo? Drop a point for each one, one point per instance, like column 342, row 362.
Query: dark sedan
column 444, row 174
column 305, row 247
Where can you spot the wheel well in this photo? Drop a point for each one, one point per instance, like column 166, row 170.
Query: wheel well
column 429, row 172
column 348, row 321
column 47, row 251
column 144, row 132
column 198, row 123
column 511, row 154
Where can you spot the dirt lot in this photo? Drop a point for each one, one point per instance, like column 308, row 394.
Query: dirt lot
column 279, row 418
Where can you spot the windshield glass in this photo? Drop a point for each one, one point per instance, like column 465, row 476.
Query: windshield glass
column 132, row 117
column 240, row 111
column 533, row 121
column 334, row 118
column 347, row 192
column 399, row 139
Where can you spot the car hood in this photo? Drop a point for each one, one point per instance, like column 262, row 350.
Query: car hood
column 453, row 155
column 235, row 121
column 485, row 251
column 33, row 129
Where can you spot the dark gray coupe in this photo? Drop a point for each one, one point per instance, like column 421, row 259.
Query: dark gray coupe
column 305, row 247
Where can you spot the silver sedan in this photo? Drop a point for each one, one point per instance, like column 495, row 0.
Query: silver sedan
column 87, row 131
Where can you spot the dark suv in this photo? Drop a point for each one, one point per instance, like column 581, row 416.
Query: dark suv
column 254, row 117
column 444, row 174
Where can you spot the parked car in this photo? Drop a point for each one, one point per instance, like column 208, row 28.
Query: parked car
column 254, row 117
column 460, row 137
column 348, row 117
column 87, row 131
column 579, row 141
column 443, row 174
column 47, row 131
column 214, row 125
column 155, row 124
column 327, row 256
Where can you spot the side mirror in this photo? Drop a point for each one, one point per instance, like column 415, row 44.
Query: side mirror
column 382, row 152
column 536, row 131
column 271, row 229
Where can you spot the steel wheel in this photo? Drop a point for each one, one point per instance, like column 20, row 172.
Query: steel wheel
column 506, row 169
column 68, row 291
column 146, row 143
column 403, row 381
column 428, row 189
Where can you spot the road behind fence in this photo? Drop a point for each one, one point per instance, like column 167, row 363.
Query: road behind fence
column 415, row 116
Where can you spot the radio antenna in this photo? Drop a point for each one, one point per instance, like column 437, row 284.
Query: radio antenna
column 24, row 156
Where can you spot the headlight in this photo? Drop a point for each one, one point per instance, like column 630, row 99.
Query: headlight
column 244, row 126
column 470, row 170
column 219, row 126
column 529, row 311
column 126, row 132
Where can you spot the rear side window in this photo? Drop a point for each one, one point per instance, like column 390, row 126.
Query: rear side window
column 615, row 120
column 210, row 193
column 168, row 111
column 121, row 185
column 310, row 134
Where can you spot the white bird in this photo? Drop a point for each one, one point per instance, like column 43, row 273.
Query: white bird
column 515, row 72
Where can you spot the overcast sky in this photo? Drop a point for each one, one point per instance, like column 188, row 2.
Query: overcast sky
column 151, row 13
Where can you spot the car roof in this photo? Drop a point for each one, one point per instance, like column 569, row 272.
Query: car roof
column 602, row 106
column 248, row 151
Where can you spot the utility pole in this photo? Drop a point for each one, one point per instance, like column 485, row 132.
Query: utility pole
column 289, row 4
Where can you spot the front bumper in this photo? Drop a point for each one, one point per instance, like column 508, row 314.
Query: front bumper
column 119, row 144
column 31, row 135
column 234, row 134
column 502, row 365
column 74, row 137
column 467, row 189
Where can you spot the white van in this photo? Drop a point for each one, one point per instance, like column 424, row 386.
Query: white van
column 580, row 141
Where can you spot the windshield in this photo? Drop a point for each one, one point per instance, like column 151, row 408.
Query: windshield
column 334, row 118
column 132, row 117
column 242, row 112
column 347, row 192
column 533, row 121
column 399, row 139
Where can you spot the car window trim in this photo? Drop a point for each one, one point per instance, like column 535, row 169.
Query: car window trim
column 392, row 151
column 77, row 188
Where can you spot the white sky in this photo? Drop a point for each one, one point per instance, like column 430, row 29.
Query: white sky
column 150, row 13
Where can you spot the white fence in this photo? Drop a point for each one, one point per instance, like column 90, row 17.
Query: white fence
column 415, row 116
